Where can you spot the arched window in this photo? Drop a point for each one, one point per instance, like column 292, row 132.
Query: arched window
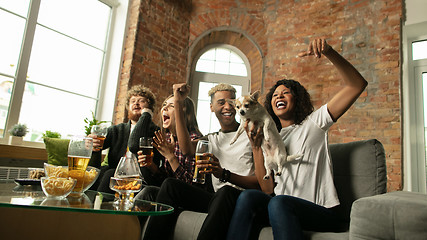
column 217, row 64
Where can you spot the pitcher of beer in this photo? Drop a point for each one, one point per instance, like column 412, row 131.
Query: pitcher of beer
column 79, row 153
column 202, row 147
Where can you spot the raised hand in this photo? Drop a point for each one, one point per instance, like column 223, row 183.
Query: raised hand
column 316, row 47
column 166, row 148
column 181, row 91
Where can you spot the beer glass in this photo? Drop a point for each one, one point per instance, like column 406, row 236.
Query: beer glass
column 79, row 153
column 101, row 132
column 147, row 150
column 202, row 147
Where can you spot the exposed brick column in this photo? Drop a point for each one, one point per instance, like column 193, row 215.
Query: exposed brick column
column 156, row 49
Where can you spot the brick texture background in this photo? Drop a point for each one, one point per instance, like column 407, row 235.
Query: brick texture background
column 164, row 36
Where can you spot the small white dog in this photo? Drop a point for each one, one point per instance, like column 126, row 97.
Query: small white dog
column 273, row 147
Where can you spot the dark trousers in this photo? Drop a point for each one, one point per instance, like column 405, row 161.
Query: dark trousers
column 182, row 196
column 104, row 180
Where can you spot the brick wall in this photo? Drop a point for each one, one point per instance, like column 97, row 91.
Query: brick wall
column 155, row 52
column 271, row 33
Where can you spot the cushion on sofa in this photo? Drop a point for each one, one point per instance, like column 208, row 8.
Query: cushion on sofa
column 57, row 151
column 394, row 215
column 359, row 171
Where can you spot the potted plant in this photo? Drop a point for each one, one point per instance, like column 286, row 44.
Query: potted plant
column 51, row 134
column 90, row 123
column 17, row 132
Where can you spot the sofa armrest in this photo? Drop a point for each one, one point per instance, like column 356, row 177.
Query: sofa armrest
column 394, row 215
column 188, row 225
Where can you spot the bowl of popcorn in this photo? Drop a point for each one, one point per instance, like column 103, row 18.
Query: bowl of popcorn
column 57, row 188
column 91, row 174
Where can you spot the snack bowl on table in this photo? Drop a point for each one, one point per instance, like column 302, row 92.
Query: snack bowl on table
column 55, row 171
column 125, row 185
column 57, row 188
column 91, row 174
column 125, row 189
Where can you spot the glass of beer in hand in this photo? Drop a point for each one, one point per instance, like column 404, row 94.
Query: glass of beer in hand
column 202, row 147
column 147, row 150
column 79, row 153
column 101, row 132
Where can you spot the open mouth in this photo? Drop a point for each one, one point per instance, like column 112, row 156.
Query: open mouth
column 281, row 105
column 165, row 117
column 226, row 114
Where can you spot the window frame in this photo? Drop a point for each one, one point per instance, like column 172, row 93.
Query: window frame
column 198, row 77
column 414, row 145
column 210, row 77
column 110, row 71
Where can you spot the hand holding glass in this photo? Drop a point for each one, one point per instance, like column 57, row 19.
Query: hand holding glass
column 202, row 147
column 79, row 153
column 101, row 132
column 145, row 145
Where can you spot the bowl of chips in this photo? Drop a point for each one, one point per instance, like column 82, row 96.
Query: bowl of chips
column 57, row 188
column 55, row 171
column 91, row 174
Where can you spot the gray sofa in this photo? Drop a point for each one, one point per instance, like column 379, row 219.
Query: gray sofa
column 359, row 174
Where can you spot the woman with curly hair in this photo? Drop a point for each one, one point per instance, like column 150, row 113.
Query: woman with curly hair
column 303, row 106
column 303, row 197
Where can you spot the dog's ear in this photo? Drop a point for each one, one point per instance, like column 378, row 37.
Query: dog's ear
column 255, row 95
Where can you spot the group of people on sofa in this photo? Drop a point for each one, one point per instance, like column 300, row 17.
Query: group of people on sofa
column 238, row 200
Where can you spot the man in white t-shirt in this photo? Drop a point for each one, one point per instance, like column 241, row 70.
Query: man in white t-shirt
column 231, row 169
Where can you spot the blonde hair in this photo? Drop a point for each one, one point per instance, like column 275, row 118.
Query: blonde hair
column 189, row 115
column 221, row 87
column 139, row 90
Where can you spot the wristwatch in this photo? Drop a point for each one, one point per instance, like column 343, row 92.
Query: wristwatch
column 225, row 177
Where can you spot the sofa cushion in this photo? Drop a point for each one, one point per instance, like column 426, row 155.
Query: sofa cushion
column 359, row 171
column 57, row 151
column 394, row 215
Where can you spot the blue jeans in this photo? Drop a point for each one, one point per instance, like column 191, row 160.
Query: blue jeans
column 287, row 215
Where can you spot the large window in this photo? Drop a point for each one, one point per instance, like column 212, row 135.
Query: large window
column 53, row 63
column 414, row 88
column 218, row 64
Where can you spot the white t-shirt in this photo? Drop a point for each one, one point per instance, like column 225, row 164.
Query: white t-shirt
column 310, row 177
column 237, row 157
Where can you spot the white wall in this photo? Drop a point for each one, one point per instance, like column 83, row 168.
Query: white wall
column 416, row 11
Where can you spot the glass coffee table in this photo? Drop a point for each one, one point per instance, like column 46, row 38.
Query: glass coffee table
column 27, row 213
column 32, row 196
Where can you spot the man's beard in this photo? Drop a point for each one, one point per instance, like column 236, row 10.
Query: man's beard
column 134, row 117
